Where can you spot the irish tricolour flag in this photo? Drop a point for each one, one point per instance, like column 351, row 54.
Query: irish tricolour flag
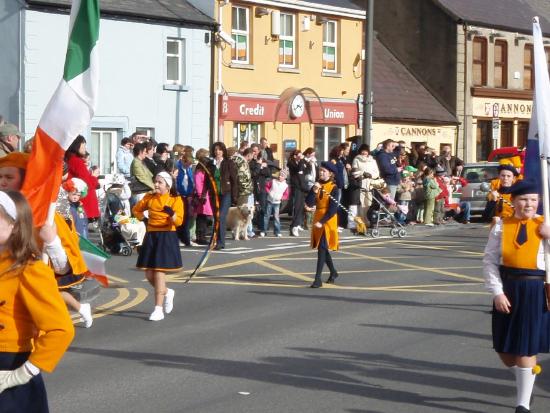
column 69, row 111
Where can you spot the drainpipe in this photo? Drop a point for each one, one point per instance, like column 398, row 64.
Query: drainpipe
column 465, row 123
column 218, row 89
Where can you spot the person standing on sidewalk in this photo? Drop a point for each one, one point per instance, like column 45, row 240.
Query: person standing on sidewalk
column 513, row 268
column 160, row 249
column 297, row 169
column 324, row 234
column 431, row 191
column 36, row 327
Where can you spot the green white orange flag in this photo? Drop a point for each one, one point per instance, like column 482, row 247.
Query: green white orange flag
column 69, row 111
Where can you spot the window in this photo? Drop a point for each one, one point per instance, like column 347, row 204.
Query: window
column 484, row 139
column 150, row 132
column 327, row 137
column 102, row 146
column 501, row 64
column 329, row 47
column 528, row 77
column 287, row 42
column 479, row 64
column 246, row 132
column 175, row 61
column 240, row 34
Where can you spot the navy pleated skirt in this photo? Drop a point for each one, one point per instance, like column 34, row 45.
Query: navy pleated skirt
column 160, row 251
column 27, row 398
column 526, row 330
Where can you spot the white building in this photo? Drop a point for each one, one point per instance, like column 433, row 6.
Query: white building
column 155, row 64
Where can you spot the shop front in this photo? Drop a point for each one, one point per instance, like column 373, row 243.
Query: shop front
column 499, row 123
column 296, row 120
column 434, row 136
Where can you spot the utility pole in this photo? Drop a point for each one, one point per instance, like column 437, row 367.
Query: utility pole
column 367, row 75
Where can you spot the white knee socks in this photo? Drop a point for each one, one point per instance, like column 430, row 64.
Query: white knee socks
column 525, row 380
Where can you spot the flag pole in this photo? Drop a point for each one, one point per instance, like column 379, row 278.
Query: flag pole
column 546, row 212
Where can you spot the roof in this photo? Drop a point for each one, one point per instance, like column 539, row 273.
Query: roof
column 509, row 15
column 398, row 95
column 346, row 4
column 170, row 11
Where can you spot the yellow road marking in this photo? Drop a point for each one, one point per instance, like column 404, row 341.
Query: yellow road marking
column 440, row 248
column 141, row 294
column 415, row 267
column 284, row 271
column 117, row 279
column 122, row 294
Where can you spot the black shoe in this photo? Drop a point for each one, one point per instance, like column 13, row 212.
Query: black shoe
column 316, row 284
column 332, row 278
column 521, row 409
column 219, row 247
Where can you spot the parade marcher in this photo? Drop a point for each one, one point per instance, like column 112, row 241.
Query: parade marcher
column 498, row 199
column 59, row 241
column 514, row 274
column 9, row 138
column 74, row 156
column 324, row 233
column 160, row 252
column 36, row 327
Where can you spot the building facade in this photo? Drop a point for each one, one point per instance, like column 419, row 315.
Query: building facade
column 479, row 66
column 155, row 71
column 290, row 72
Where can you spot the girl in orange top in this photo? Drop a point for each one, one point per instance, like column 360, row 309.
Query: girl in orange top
column 29, row 303
column 324, row 233
column 160, row 249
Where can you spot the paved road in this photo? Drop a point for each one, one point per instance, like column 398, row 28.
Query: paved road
column 406, row 329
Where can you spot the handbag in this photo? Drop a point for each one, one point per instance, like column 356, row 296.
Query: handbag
column 197, row 200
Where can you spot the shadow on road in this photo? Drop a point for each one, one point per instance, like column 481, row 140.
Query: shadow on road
column 345, row 373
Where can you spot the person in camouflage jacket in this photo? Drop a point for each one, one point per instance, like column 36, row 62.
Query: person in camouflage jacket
column 244, row 176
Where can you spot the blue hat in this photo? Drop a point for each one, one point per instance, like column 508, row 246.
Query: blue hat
column 329, row 166
column 507, row 167
column 525, row 186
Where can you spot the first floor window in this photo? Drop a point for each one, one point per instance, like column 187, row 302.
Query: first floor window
column 329, row 47
column 326, row 138
column 240, row 34
column 102, row 146
column 175, row 61
column 287, row 41
column 246, row 132
column 479, row 61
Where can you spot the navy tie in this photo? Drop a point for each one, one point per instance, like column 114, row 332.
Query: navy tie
column 522, row 234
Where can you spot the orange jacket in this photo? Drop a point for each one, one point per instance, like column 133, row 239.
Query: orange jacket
column 29, row 303
column 159, row 220
column 330, row 227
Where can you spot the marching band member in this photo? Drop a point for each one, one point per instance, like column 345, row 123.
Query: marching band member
column 324, row 232
column 160, row 249
column 514, row 273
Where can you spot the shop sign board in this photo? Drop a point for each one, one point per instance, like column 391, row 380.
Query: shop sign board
column 501, row 108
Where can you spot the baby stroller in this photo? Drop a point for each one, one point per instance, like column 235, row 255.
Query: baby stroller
column 111, row 234
column 382, row 215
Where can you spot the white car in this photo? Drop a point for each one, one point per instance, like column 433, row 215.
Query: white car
column 474, row 193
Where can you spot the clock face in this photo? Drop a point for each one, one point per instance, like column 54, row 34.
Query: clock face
column 297, row 106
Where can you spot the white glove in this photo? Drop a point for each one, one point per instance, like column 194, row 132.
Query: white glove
column 12, row 378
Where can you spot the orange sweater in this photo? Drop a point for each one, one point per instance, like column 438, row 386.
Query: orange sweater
column 29, row 303
column 158, row 219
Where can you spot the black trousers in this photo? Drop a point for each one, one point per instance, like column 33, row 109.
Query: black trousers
column 323, row 257
column 298, row 201
column 202, row 227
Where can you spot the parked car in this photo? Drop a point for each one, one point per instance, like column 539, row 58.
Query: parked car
column 476, row 174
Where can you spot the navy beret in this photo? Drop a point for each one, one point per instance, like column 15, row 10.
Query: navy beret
column 508, row 167
column 329, row 166
column 525, row 186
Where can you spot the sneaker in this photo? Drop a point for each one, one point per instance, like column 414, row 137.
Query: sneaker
column 169, row 300
column 430, row 225
column 294, row 232
column 193, row 244
column 157, row 314
column 262, row 234
column 251, row 235
column 279, row 235
column 299, row 228
column 340, row 229
column 86, row 315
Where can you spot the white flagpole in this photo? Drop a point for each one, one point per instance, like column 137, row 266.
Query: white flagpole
column 541, row 112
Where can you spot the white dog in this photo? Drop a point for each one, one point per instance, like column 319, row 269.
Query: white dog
column 238, row 220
